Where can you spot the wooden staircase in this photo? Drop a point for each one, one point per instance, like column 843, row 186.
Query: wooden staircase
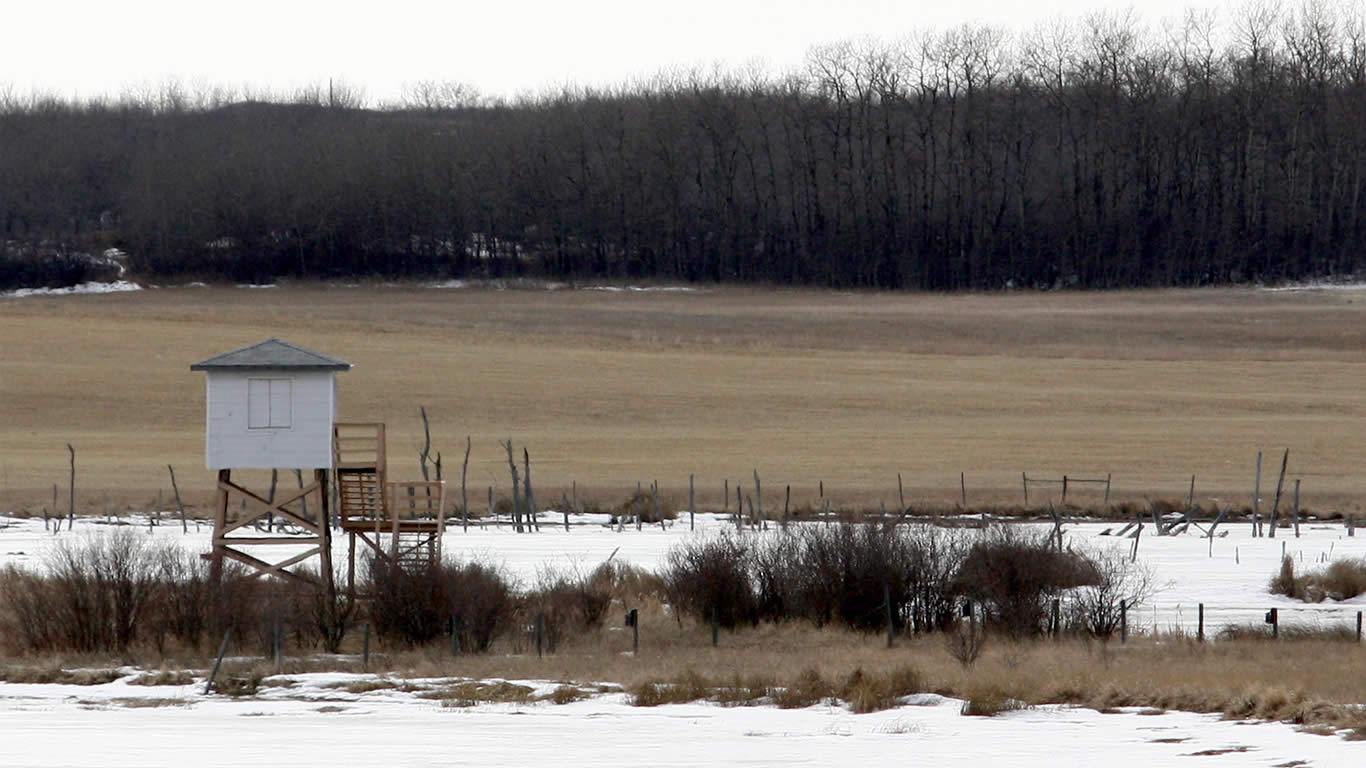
column 401, row 522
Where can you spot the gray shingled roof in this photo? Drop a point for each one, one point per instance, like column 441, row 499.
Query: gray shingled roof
column 272, row 354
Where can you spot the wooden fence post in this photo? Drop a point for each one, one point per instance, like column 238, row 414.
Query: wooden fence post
column 1123, row 622
column 1024, row 481
column 1064, row 489
column 887, row 602
column 365, row 647
column 963, row 488
column 1297, row 507
column 759, row 499
column 1107, row 489
column 1276, row 504
column 1256, row 499
column 1200, row 627
column 692, row 507
column 276, row 642
column 218, row 661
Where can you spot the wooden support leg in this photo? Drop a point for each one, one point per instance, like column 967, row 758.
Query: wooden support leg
column 220, row 522
column 324, row 533
column 351, row 568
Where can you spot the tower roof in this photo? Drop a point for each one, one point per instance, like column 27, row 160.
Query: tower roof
column 272, row 354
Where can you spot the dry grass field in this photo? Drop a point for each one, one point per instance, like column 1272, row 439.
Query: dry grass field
column 613, row 388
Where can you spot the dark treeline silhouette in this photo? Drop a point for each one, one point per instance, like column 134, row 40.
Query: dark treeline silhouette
column 1095, row 153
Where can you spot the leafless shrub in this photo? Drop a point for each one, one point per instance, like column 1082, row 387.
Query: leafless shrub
column 565, row 604
column 965, row 642
column 416, row 608
column 713, row 575
column 1013, row 575
column 91, row 598
column 1112, row 578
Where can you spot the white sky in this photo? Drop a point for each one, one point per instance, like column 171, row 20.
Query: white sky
column 502, row 47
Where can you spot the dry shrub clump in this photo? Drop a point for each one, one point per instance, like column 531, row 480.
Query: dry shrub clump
column 565, row 605
column 913, row 577
column 1014, row 575
column 1340, row 580
column 475, row 601
column 863, row 691
column 116, row 593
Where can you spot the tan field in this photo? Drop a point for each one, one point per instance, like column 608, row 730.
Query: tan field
column 608, row 389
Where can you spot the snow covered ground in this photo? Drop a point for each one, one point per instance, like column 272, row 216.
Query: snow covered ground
column 314, row 722
column 118, row 286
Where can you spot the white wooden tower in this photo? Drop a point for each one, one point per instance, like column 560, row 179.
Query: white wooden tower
column 271, row 405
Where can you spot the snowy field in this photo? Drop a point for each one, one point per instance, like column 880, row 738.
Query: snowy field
column 314, row 722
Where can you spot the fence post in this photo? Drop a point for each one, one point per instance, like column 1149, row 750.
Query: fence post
column 217, row 662
column 1056, row 622
column 1273, row 617
column 1358, row 626
column 1200, row 628
column 275, row 645
column 365, row 647
column 1024, row 481
column 692, row 508
column 1123, row 622
column 963, row 487
column 635, row 632
column 1107, row 489
column 540, row 631
column 1064, row 489
column 1297, row 508
column 887, row 601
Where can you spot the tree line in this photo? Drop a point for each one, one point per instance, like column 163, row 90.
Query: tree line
column 1094, row 153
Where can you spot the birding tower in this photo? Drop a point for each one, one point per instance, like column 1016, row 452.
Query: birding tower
column 271, row 405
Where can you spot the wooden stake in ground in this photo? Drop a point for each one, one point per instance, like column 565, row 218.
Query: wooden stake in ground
column 526, row 488
column 787, row 500
column 759, row 495
column 71, row 509
column 516, row 489
column 692, row 508
column 184, row 524
column 464, row 500
column 1276, row 503
column 1256, row 498
column 654, row 491
column 901, row 497
column 739, row 511
column 426, row 442
column 1297, row 507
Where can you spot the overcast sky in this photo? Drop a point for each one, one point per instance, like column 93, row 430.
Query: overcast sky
column 502, row 47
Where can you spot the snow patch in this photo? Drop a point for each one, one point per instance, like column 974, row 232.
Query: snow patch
column 1314, row 285
column 118, row 286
